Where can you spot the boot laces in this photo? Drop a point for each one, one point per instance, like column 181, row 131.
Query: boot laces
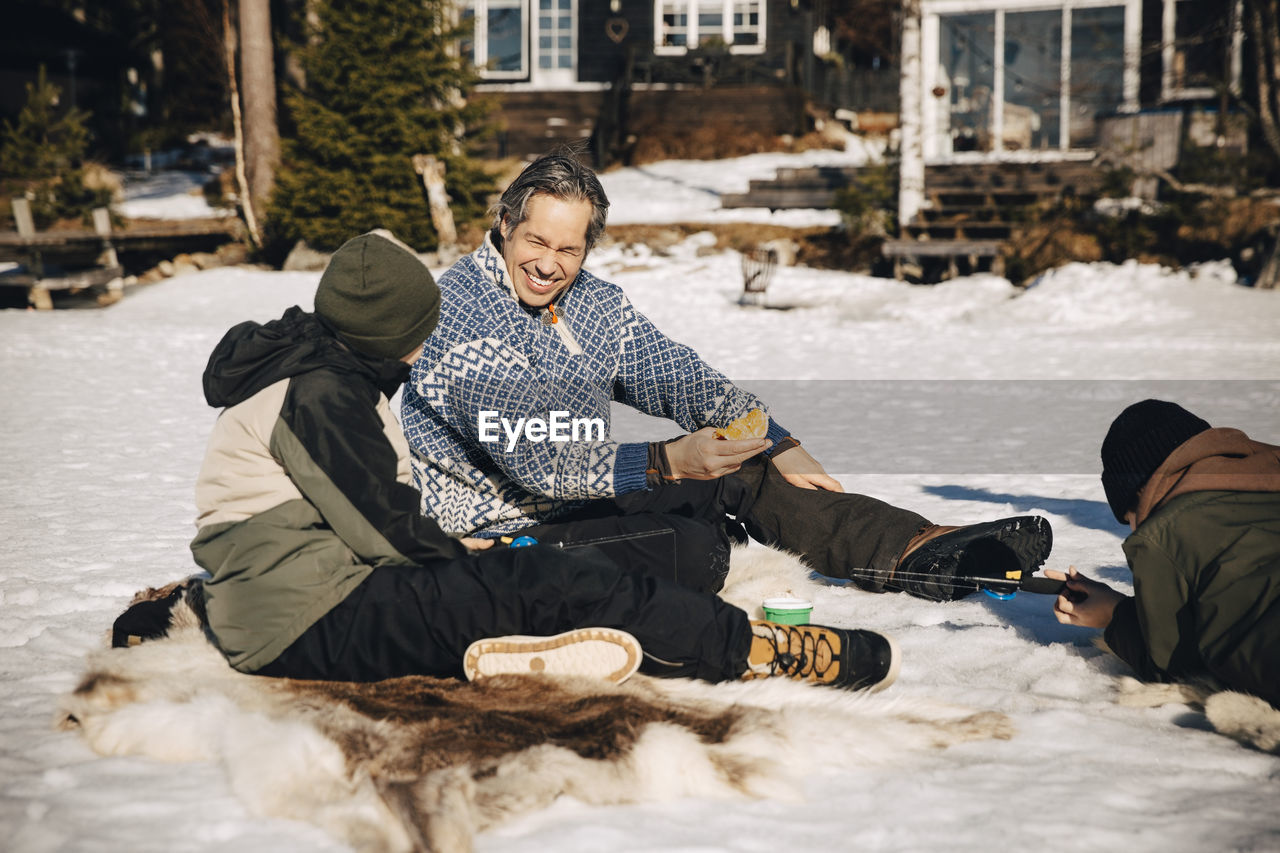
column 798, row 653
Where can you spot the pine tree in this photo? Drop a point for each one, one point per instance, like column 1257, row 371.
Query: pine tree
column 40, row 157
column 381, row 85
column 43, row 143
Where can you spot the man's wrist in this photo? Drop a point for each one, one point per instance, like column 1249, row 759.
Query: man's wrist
column 658, row 472
column 782, row 445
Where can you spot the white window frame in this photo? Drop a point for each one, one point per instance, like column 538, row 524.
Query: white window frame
column 480, row 39
column 1169, row 90
column 692, row 36
column 930, row 34
column 555, row 74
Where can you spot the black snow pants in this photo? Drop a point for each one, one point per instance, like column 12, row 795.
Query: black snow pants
column 683, row 531
column 411, row 620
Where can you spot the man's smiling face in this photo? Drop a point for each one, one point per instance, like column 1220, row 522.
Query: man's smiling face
column 544, row 253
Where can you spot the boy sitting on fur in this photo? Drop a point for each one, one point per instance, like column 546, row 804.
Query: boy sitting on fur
column 1204, row 507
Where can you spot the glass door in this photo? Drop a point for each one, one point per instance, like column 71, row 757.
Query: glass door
column 1032, row 80
column 1097, row 70
column 966, row 80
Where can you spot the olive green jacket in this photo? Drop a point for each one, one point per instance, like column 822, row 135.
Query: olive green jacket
column 304, row 490
column 1206, row 573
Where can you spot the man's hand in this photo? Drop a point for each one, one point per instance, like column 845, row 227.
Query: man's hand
column 1087, row 603
column 472, row 543
column 701, row 456
column 800, row 469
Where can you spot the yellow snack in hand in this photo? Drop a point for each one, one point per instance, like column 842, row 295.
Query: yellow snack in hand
column 754, row 424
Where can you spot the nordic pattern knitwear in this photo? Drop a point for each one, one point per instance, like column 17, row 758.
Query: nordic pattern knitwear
column 490, row 354
column 1139, row 440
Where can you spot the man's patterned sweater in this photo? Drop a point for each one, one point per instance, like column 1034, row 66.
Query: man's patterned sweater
column 490, row 355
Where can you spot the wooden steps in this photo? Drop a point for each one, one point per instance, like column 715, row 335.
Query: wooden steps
column 974, row 209
column 960, row 229
column 796, row 188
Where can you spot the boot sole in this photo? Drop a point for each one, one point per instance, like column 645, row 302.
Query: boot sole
column 604, row 653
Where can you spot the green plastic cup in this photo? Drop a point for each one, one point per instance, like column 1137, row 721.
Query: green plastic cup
column 788, row 611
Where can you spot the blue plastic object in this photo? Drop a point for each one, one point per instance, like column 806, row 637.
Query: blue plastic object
column 998, row 596
column 522, row 542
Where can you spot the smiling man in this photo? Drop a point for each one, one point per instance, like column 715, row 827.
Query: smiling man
column 529, row 339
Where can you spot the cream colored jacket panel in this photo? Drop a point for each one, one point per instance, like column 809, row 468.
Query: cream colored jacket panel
column 240, row 478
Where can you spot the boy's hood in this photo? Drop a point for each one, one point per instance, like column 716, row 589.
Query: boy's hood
column 252, row 356
column 1219, row 459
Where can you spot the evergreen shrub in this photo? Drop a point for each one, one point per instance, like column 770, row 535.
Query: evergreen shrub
column 42, row 158
column 383, row 82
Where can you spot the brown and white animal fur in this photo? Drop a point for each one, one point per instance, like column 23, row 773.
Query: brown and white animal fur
column 1247, row 719
column 423, row 764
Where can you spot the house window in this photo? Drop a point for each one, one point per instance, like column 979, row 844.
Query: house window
column 702, row 23
column 673, row 24
column 966, row 68
column 500, row 35
column 555, row 34
column 1032, row 80
column 746, row 22
column 1097, row 70
column 1026, row 80
column 1201, row 48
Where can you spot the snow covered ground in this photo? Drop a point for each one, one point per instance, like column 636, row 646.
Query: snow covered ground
column 169, row 184
column 964, row 401
column 168, row 195
column 689, row 190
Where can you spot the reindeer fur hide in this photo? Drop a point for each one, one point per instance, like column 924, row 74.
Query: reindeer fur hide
column 423, row 764
column 1239, row 716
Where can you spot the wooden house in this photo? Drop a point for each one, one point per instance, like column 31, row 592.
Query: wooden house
column 619, row 71
column 1004, row 101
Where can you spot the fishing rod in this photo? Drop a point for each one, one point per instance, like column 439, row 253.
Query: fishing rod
column 1001, row 589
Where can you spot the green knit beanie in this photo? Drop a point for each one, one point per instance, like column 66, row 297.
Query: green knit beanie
column 379, row 296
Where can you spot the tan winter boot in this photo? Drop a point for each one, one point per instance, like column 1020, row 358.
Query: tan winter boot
column 849, row 658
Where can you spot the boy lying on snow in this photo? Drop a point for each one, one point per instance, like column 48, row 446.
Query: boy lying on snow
column 1204, row 508
column 323, row 567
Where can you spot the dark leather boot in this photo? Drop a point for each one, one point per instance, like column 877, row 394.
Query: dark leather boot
column 945, row 563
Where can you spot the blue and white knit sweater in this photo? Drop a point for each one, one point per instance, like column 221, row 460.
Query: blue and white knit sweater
column 488, row 354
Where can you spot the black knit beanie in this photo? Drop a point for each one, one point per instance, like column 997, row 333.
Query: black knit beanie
column 1139, row 441
column 379, row 296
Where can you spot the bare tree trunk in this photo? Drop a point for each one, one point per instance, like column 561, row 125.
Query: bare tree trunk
column 911, row 166
column 431, row 169
column 1269, row 275
column 258, row 75
column 237, row 122
column 1264, row 32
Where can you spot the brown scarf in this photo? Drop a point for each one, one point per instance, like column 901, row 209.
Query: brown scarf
column 1220, row 459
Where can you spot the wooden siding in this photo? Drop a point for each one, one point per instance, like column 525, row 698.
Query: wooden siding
column 532, row 123
column 600, row 58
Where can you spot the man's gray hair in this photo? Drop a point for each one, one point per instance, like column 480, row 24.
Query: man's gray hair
column 560, row 175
